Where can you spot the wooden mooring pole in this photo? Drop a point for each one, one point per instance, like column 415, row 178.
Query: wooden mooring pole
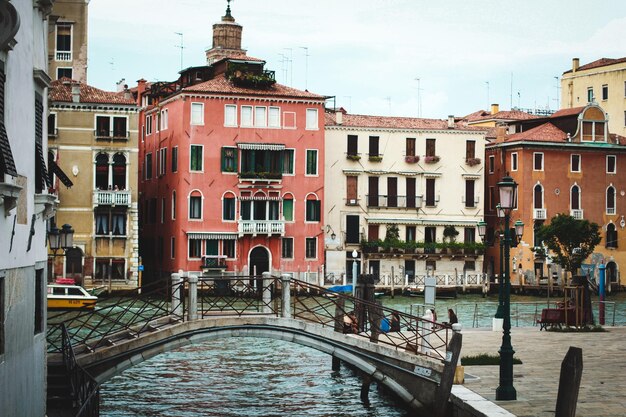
column 569, row 383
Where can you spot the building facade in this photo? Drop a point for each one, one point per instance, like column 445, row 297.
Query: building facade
column 67, row 40
column 92, row 137
column 602, row 81
column 25, row 207
column 566, row 163
column 232, row 175
column 403, row 193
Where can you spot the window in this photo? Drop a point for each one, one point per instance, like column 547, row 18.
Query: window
column 430, row 192
column 195, row 248
column 288, row 161
column 611, row 236
column 575, row 163
column 162, row 161
column 392, row 192
column 228, row 213
column 260, row 116
column 313, row 210
column 175, row 159
column 492, row 164
column 372, row 232
column 288, row 208
column 430, row 237
column 63, row 42
column 148, row 125
column 372, row 195
column 311, row 248
column 246, row 116
column 538, row 196
column 64, row 72
column 287, row 248
column 41, row 172
column 594, row 131
column 311, row 162
column 605, row 92
column 575, row 197
column 469, row 266
column 610, row 200
column 274, row 117
column 228, row 249
column 173, row 205
column 470, row 149
column 162, row 210
column 173, row 247
column 353, row 145
column 111, row 222
column 40, row 302
column 164, row 117
column 492, row 198
column 410, row 193
column 197, row 113
column 611, row 164
column 148, row 164
column 111, row 127
column 230, row 115
column 589, row 94
column 52, row 124
column 469, row 194
column 311, row 119
column 538, row 161
column 195, row 206
column 514, row 161
column 352, row 229
column 351, row 190
column 373, row 151
column 195, row 160
column 410, row 146
column 211, row 247
column 410, row 233
column 430, row 147
column 229, row 159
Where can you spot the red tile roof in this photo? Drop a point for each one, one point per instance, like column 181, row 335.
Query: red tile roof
column 357, row 120
column 221, row 85
column 568, row 112
column 501, row 115
column 61, row 90
column 546, row 132
column 602, row 62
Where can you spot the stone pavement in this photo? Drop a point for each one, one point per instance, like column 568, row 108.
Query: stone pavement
column 603, row 385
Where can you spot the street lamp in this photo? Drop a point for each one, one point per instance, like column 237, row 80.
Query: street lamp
column 60, row 239
column 508, row 199
column 354, row 256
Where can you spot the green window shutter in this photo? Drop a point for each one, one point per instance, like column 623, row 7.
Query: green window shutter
column 223, row 160
column 212, row 247
column 288, row 210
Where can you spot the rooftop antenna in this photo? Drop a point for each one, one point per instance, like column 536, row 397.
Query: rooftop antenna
column 488, row 100
column 519, row 97
column 558, row 95
column 419, row 98
column 181, row 46
column 306, row 67
column 283, row 60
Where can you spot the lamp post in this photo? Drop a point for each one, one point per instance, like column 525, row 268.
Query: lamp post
column 60, row 239
column 354, row 256
column 508, row 199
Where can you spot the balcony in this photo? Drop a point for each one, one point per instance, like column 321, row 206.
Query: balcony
column 263, row 176
column 111, row 198
column 610, row 210
column 394, row 201
column 261, row 227
column 109, row 135
column 214, row 262
column 577, row 214
column 539, row 214
column 63, row 56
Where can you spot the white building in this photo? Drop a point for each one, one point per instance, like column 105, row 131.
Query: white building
column 24, row 206
column 415, row 177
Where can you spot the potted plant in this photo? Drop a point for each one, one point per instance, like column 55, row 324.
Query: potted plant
column 353, row 157
column 411, row 159
column 375, row 158
column 472, row 161
column 431, row 159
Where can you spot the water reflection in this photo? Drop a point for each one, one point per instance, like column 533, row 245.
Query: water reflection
column 242, row 376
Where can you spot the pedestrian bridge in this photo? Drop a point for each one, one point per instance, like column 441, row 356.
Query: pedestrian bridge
column 416, row 362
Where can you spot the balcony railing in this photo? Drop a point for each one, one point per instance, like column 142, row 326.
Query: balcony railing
column 539, row 214
column 610, row 210
column 261, row 227
column 53, row 132
column 214, row 262
column 577, row 214
column 111, row 198
column 63, row 56
column 262, row 175
column 394, row 201
column 111, row 134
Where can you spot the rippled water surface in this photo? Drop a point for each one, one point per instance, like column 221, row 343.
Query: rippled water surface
column 242, row 376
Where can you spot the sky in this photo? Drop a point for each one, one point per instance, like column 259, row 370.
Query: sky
column 413, row 58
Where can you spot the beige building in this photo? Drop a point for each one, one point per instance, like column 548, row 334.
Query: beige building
column 602, row 81
column 67, row 40
column 405, row 176
column 92, row 136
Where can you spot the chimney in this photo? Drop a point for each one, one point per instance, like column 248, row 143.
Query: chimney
column 495, row 108
column 120, row 85
column 127, row 95
column 76, row 92
column 575, row 64
column 451, row 121
column 339, row 117
column 501, row 131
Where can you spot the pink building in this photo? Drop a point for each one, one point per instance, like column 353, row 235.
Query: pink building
column 232, row 176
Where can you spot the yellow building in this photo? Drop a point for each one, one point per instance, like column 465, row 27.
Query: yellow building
column 92, row 136
column 67, row 40
column 602, row 81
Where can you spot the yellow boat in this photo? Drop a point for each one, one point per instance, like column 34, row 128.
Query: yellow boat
column 69, row 297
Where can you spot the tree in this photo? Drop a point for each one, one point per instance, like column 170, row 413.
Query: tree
column 571, row 241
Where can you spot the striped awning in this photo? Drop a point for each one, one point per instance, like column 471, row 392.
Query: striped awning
column 261, row 146
column 472, row 176
column 422, row 222
column 212, row 235
column 432, row 174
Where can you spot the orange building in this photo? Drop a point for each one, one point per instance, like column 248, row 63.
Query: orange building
column 566, row 163
column 232, row 177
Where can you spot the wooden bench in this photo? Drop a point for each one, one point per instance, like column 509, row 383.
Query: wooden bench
column 551, row 317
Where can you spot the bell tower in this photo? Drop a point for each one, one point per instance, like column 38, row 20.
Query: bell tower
column 226, row 38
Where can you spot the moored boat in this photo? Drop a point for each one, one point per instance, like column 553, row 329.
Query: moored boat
column 69, row 297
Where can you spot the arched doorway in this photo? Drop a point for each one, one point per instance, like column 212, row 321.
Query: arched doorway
column 74, row 264
column 611, row 272
column 259, row 260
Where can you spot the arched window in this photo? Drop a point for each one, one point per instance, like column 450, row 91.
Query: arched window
column 102, row 171
column 288, row 207
column 538, row 196
column 228, row 207
column 195, row 205
column 611, row 236
column 610, row 200
column 313, row 208
column 575, row 198
column 119, row 171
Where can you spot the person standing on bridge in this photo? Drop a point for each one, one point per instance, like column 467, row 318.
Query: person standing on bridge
column 394, row 323
column 452, row 318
